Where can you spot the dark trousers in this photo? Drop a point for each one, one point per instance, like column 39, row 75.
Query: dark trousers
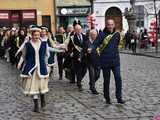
column 128, row 45
column 60, row 59
column 134, row 47
column 79, row 70
column 93, row 75
column 118, row 82
column 2, row 52
column 73, row 76
column 12, row 53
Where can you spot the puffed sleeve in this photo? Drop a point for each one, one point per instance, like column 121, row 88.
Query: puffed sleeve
column 22, row 59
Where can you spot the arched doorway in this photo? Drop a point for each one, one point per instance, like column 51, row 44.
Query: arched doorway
column 115, row 14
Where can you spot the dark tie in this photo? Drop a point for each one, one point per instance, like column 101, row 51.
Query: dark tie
column 80, row 38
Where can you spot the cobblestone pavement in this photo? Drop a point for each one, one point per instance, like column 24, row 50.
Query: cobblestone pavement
column 141, row 85
column 142, row 52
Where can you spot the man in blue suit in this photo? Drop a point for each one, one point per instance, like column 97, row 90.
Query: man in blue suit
column 107, row 45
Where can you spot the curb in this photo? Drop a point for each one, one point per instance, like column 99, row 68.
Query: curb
column 140, row 54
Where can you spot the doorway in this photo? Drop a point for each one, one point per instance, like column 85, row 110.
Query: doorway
column 46, row 21
column 115, row 14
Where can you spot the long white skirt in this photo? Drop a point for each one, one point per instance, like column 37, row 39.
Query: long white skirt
column 35, row 85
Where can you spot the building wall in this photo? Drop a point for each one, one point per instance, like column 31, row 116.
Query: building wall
column 43, row 7
column 73, row 2
column 75, row 9
column 101, row 6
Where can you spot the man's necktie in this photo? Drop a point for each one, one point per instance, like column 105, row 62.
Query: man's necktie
column 80, row 38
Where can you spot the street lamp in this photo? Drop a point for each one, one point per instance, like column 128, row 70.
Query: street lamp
column 155, row 9
column 92, row 8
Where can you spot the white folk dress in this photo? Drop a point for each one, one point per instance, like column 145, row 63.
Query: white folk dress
column 34, row 84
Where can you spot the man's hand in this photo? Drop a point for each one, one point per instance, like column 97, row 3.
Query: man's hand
column 71, row 55
column 89, row 50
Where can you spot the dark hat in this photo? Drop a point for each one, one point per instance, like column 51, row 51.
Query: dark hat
column 35, row 28
column 76, row 22
column 44, row 27
column 31, row 26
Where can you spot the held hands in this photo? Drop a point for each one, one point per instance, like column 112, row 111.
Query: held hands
column 71, row 55
column 18, row 66
column 89, row 50
column 16, row 54
column 60, row 46
column 79, row 59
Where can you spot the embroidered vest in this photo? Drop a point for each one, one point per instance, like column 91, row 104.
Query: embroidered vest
column 30, row 64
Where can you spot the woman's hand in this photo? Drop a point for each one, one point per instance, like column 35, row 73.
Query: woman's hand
column 18, row 66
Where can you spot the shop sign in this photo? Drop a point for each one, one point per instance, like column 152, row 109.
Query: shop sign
column 28, row 15
column 15, row 17
column 75, row 11
column 4, row 15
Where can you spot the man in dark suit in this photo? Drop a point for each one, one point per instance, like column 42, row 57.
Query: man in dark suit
column 108, row 43
column 92, row 60
column 76, row 45
column 60, row 38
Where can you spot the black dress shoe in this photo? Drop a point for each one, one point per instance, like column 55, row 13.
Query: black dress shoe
column 72, row 82
column 108, row 102
column 121, row 101
column 94, row 92
column 80, row 88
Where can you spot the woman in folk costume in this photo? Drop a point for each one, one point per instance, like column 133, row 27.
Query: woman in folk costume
column 26, row 39
column 13, row 47
column 34, row 73
column 52, row 47
column 1, row 47
column 19, row 41
column 50, row 43
column 6, row 44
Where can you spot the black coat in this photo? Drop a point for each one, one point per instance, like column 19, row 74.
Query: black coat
column 91, row 58
column 77, row 54
column 60, row 37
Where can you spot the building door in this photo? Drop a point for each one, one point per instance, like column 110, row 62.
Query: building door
column 46, row 21
column 115, row 14
column 15, row 18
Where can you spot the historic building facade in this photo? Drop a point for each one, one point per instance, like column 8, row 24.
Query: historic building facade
column 116, row 8
column 26, row 12
column 69, row 10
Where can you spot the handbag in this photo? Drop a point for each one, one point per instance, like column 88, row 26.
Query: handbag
column 132, row 40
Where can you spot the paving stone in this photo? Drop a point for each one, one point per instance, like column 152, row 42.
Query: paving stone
column 141, row 88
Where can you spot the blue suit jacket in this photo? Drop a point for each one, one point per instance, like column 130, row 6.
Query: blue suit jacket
column 110, row 55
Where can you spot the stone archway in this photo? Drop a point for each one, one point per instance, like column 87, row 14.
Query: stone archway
column 115, row 14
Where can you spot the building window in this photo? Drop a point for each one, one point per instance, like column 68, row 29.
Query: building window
column 159, row 19
column 46, row 21
column 140, row 15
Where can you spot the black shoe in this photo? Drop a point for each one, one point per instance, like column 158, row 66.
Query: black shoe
column 94, row 92
column 36, row 106
column 60, row 78
column 108, row 102
column 72, row 82
column 121, row 101
column 43, row 102
column 80, row 88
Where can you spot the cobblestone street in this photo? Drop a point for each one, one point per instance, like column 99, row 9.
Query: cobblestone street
column 141, row 86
